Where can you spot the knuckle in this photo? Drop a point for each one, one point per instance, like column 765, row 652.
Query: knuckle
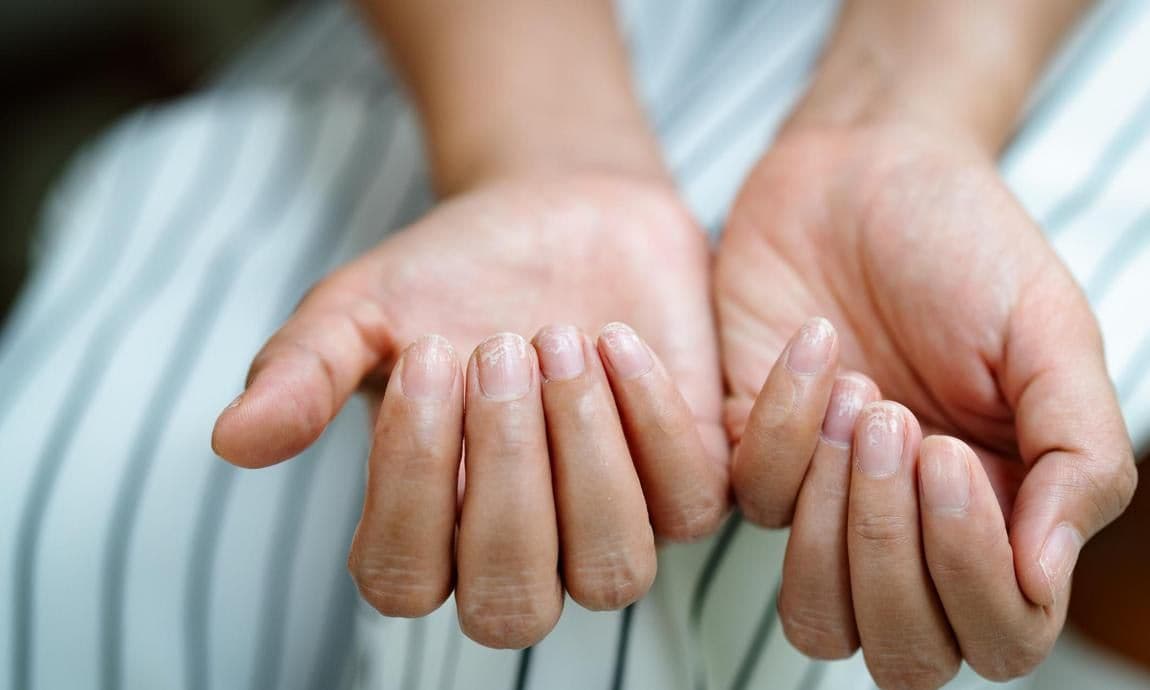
column 1108, row 488
column 395, row 585
column 691, row 519
column 1009, row 657
column 765, row 498
column 1124, row 482
column 764, row 510
column 611, row 579
column 883, row 530
column 506, row 613
column 899, row 671
column 816, row 631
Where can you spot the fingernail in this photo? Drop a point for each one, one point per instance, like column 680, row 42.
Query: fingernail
column 504, row 367
column 878, row 449
column 626, row 353
column 429, row 367
column 847, row 398
column 1059, row 555
column 946, row 478
column 236, row 402
column 811, row 347
column 560, row 352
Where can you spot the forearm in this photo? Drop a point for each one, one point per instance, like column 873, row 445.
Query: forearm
column 964, row 68
column 507, row 86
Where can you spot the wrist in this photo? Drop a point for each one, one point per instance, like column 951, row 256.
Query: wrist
column 508, row 87
column 466, row 154
column 962, row 70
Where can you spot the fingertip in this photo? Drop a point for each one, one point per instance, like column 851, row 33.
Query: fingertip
column 813, row 348
column 886, row 438
column 560, row 349
column 265, row 426
column 624, row 352
column 849, row 394
column 944, row 475
column 1046, row 570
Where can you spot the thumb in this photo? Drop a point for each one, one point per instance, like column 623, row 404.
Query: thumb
column 1071, row 435
column 304, row 374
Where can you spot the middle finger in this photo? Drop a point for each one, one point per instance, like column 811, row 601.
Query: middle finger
column 905, row 638
column 508, row 592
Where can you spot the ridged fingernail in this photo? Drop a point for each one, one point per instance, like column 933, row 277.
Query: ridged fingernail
column 429, row 367
column 945, row 477
column 811, row 347
column 847, row 399
column 626, row 353
column 1059, row 555
column 878, row 448
column 560, row 351
column 504, row 367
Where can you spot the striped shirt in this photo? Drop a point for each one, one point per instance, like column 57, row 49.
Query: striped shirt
column 176, row 243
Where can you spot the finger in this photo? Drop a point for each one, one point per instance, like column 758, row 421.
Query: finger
column 1071, row 433
column 686, row 491
column 508, row 591
column 783, row 427
column 303, row 375
column 815, row 605
column 605, row 536
column 402, row 553
column 905, row 638
column 1002, row 635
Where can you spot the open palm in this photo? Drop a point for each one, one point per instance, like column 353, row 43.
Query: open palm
column 579, row 451
column 946, row 294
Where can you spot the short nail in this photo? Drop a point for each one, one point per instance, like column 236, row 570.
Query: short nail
column 504, row 367
column 626, row 353
column 811, row 347
column 429, row 367
column 236, row 402
column 847, row 399
column 560, row 352
column 878, row 449
column 1059, row 555
column 946, row 479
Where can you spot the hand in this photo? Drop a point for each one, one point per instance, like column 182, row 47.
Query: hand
column 511, row 256
column 950, row 299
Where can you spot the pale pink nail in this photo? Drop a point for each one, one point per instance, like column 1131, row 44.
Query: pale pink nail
column 428, row 370
column 504, row 367
column 847, row 399
column 1059, row 555
column 945, row 478
column 560, row 351
column 878, row 446
column 811, row 347
column 626, row 353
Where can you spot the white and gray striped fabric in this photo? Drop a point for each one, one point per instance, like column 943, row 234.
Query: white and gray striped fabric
column 131, row 557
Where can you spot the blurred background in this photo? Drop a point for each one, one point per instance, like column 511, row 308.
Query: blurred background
column 69, row 69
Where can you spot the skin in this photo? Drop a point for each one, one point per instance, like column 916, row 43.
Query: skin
column 880, row 208
column 546, row 217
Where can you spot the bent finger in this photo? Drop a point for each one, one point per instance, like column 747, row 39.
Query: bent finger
column 304, row 374
column 508, row 592
column 605, row 535
column 402, row 554
column 783, row 427
column 815, row 605
column 686, row 490
column 905, row 638
column 1002, row 635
